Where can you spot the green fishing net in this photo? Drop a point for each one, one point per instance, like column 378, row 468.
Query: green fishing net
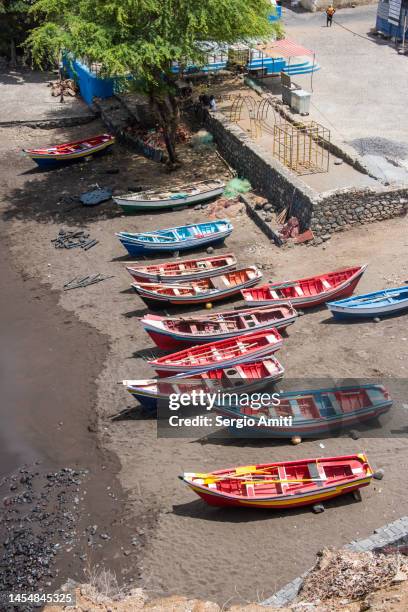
column 236, row 186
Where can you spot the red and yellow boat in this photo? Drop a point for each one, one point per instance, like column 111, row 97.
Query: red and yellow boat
column 48, row 157
column 282, row 485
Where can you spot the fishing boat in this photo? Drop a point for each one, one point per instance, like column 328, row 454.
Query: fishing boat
column 245, row 377
column 70, row 151
column 219, row 287
column 176, row 238
column 222, row 354
column 307, row 292
column 284, row 484
column 155, row 199
column 170, row 333
column 380, row 303
column 183, row 269
column 308, row 413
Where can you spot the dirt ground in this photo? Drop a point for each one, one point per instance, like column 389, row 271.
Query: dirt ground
column 192, row 549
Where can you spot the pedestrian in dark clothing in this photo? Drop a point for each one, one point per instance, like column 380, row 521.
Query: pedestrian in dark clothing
column 330, row 14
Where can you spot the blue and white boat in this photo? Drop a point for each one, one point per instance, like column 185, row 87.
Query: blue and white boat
column 307, row 413
column 379, row 303
column 176, row 238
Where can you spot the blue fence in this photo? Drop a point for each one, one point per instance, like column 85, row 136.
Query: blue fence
column 89, row 83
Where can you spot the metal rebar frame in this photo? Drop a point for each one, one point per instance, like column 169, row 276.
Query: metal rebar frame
column 303, row 147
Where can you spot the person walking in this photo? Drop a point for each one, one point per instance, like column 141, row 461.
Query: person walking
column 330, row 14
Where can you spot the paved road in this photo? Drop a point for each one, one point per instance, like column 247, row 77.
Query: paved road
column 26, row 97
column 361, row 90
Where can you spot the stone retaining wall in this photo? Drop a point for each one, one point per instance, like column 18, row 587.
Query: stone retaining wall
column 340, row 210
column 263, row 171
column 325, row 213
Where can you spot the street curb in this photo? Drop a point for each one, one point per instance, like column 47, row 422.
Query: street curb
column 51, row 123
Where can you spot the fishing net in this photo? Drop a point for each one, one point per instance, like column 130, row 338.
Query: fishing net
column 202, row 139
column 236, row 186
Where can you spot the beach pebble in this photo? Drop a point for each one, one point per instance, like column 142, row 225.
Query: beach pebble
column 210, row 250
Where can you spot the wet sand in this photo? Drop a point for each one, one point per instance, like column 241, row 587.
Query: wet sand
column 190, row 548
column 48, row 365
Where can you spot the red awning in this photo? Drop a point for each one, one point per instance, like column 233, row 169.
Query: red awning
column 284, row 48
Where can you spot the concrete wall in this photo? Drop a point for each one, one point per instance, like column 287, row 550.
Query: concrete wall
column 325, row 213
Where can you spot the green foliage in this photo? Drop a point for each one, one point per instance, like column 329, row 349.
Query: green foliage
column 143, row 36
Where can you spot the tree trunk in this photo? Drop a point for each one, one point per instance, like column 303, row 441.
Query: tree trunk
column 167, row 112
column 13, row 54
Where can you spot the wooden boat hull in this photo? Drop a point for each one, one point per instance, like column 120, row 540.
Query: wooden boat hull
column 153, row 297
column 150, row 398
column 130, row 206
column 224, row 354
column 135, row 246
column 171, row 339
column 326, row 424
column 50, row 160
column 381, row 303
column 345, row 289
column 360, row 476
column 194, row 269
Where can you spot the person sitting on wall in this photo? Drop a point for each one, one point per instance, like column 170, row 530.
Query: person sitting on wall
column 330, row 14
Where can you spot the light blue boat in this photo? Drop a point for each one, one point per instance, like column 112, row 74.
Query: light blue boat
column 176, row 238
column 377, row 304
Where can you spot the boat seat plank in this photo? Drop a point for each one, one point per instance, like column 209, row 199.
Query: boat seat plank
column 316, row 474
column 335, row 403
column 250, row 490
column 219, row 282
column 326, row 284
column 299, row 291
column 295, row 408
column 282, row 476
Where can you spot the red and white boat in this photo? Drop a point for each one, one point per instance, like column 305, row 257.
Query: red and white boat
column 212, row 289
column 245, row 377
column 282, row 485
column 170, row 333
column 183, row 270
column 222, row 354
column 70, row 151
column 307, row 292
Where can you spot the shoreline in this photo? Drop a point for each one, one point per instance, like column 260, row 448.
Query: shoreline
column 52, row 459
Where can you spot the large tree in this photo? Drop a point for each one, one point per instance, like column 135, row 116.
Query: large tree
column 143, row 37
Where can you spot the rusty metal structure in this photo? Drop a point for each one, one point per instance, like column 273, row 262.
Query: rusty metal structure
column 302, row 147
column 251, row 106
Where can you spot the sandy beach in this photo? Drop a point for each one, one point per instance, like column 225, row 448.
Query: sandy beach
column 184, row 547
